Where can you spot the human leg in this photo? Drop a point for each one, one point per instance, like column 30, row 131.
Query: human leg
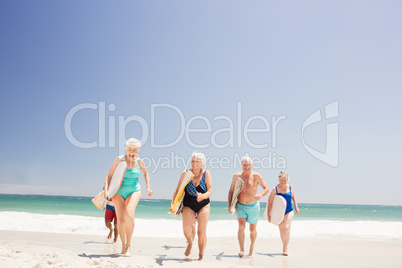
column 114, row 219
column 108, row 221
column 108, row 225
column 253, row 212
column 188, row 228
column 253, row 237
column 202, row 219
column 119, row 204
column 284, row 229
column 116, row 232
column 240, row 235
column 131, row 205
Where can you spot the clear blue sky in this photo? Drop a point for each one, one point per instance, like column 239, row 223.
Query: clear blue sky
column 282, row 58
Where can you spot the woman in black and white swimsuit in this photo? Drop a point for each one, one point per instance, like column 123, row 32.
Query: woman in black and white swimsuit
column 196, row 204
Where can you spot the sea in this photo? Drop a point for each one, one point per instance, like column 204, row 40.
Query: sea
column 78, row 215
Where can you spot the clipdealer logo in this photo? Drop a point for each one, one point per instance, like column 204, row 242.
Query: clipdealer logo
column 236, row 130
column 238, row 133
column 331, row 154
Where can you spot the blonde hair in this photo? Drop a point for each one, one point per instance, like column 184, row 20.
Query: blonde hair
column 246, row 158
column 200, row 156
column 283, row 174
column 133, row 143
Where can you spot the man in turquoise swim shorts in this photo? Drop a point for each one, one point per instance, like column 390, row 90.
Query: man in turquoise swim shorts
column 247, row 207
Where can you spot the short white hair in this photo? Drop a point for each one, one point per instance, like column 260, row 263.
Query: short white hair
column 200, row 156
column 246, row 158
column 283, row 174
column 133, row 143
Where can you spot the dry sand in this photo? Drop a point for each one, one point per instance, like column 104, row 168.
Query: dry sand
column 29, row 249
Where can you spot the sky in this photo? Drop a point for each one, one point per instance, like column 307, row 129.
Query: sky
column 311, row 87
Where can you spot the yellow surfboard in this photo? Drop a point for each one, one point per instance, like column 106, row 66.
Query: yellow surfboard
column 178, row 201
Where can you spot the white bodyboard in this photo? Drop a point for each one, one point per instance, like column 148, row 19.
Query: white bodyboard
column 277, row 210
column 116, row 180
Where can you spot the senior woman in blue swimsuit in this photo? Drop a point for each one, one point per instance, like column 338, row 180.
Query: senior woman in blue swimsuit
column 129, row 193
column 286, row 191
column 196, row 204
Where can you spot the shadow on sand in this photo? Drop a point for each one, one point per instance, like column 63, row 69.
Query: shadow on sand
column 97, row 242
column 97, row 256
column 220, row 256
column 272, row 255
column 166, row 247
column 163, row 258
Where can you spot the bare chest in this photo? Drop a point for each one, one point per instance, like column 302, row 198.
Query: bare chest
column 249, row 183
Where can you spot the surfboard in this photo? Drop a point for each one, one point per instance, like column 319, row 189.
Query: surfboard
column 277, row 210
column 237, row 189
column 178, row 201
column 116, row 180
column 99, row 201
column 266, row 210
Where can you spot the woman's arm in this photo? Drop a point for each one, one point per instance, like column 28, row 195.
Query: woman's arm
column 270, row 201
column 208, row 183
column 146, row 176
column 295, row 202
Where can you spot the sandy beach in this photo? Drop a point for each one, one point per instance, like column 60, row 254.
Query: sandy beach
column 35, row 249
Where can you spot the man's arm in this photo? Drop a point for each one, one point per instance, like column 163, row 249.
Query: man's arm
column 262, row 183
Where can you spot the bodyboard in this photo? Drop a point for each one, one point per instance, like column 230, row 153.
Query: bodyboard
column 277, row 210
column 178, row 201
column 237, row 189
column 116, row 180
column 99, row 201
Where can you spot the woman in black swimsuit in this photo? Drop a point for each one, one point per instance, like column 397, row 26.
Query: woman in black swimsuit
column 196, row 204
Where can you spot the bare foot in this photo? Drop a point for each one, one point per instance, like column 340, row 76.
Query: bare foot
column 251, row 250
column 128, row 252
column 200, row 257
column 188, row 249
column 123, row 250
column 109, row 237
column 285, row 253
column 115, row 240
column 241, row 254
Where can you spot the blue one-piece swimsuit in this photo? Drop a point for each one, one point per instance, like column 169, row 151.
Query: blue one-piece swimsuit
column 130, row 182
column 288, row 198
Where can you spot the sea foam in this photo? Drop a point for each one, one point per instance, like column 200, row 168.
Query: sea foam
column 73, row 224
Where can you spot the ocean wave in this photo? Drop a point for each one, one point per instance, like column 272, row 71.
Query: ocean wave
column 73, row 224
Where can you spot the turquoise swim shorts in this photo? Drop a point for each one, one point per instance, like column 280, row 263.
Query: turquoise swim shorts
column 249, row 211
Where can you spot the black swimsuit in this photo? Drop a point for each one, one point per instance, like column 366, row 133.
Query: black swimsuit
column 190, row 200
